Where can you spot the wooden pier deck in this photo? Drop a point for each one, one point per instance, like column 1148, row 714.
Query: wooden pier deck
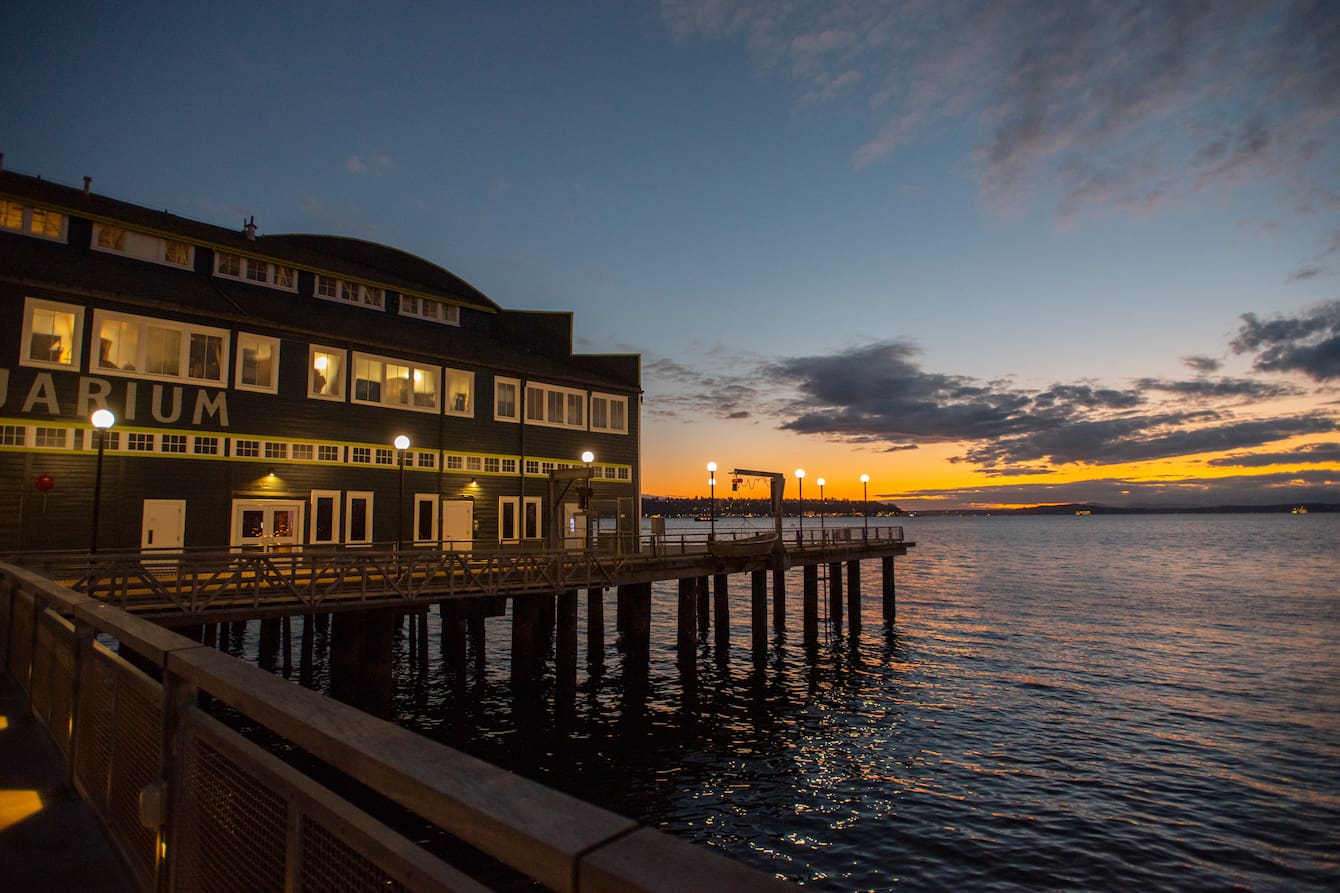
column 191, row 588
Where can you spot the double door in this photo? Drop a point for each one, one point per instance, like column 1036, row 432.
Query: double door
column 268, row 525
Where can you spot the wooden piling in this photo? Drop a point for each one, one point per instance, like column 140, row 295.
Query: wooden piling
column 703, row 609
column 810, row 609
column 890, row 598
column 635, row 637
column 779, row 600
column 565, row 647
column 854, row 597
column 835, row 597
column 686, row 651
column 721, row 608
column 595, row 628
column 452, row 644
column 527, row 620
column 306, row 663
column 759, row 618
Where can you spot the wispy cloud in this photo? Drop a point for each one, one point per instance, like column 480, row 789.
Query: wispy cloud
column 374, row 163
column 1124, row 104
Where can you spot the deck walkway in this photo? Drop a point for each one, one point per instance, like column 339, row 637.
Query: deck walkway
column 50, row 838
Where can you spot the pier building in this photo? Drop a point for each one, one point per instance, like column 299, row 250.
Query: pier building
column 284, row 392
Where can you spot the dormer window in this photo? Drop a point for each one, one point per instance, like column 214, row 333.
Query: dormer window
column 250, row 269
column 41, row 222
column 116, row 239
column 430, row 309
column 346, row 292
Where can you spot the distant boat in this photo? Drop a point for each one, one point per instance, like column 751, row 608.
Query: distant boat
column 1083, row 512
column 1299, row 510
column 703, row 518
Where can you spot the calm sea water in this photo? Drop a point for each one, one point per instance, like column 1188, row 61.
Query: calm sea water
column 1077, row 703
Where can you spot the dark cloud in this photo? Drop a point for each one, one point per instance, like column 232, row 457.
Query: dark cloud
column 1316, row 485
column 1310, row 454
column 1202, row 365
column 1308, row 344
column 879, row 394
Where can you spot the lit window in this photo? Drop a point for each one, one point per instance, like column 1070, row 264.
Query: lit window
column 111, row 238
column 31, row 221
column 327, row 373
column 398, row 383
column 178, row 253
column 285, row 277
column 228, row 265
column 472, row 463
column 52, row 332
column 136, row 344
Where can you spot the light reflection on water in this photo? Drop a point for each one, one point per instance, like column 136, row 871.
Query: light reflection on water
column 1062, row 703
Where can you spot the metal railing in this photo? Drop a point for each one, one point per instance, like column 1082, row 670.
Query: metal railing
column 194, row 805
column 315, row 580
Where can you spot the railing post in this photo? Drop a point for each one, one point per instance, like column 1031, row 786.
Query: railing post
column 161, row 804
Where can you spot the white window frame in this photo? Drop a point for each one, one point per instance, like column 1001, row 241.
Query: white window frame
column 450, row 403
column 444, row 313
column 350, row 293
column 433, row 500
column 383, row 386
column 184, row 359
column 75, row 348
column 519, row 504
column 247, row 266
column 609, row 400
column 541, row 414
column 515, row 383
column 340, row 377
column 26, row 220
column 335, row 529
column 142, row 246
column 248, row 339
column 349, row 498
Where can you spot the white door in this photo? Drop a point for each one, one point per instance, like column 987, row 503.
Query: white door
column 574, row 526
column 270, row 525
column 164, row 525
column 458, row 523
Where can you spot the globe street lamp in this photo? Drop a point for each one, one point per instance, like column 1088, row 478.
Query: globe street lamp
column 712, row 491
column 800, row 497
column 821, row 508
column 865, row 505
column 401, row 444
column 102, row 419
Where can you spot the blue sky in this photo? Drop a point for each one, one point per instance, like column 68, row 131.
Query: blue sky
column 987, row 253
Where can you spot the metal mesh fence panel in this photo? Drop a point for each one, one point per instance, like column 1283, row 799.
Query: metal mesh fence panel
column 137, row 740
column 232, row 828
column 43, row 659
column 20, row 634
column 330, row 864
column 97, row 707
column 58, row 635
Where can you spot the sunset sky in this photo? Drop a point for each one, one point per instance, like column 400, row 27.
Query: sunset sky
column 988, row 253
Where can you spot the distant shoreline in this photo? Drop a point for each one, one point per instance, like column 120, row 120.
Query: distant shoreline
column 680, row 507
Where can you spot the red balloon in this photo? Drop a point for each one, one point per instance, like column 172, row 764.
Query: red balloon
column 44, row 482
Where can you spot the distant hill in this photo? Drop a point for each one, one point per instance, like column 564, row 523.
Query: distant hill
column 1096, row 509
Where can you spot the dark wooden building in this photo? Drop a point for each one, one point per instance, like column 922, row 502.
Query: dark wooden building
column 259, row 384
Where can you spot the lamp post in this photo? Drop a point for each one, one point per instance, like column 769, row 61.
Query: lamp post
column 587, row 458
column 800, row 497
column 401, row 445
column 712, row 499
column 865, row 506
column 821, row 483
column 102, row 420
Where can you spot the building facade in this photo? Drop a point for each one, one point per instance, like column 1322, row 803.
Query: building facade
column 259, row 384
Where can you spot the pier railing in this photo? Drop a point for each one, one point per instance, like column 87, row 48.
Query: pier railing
column 191, row 583
column 192, row 804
